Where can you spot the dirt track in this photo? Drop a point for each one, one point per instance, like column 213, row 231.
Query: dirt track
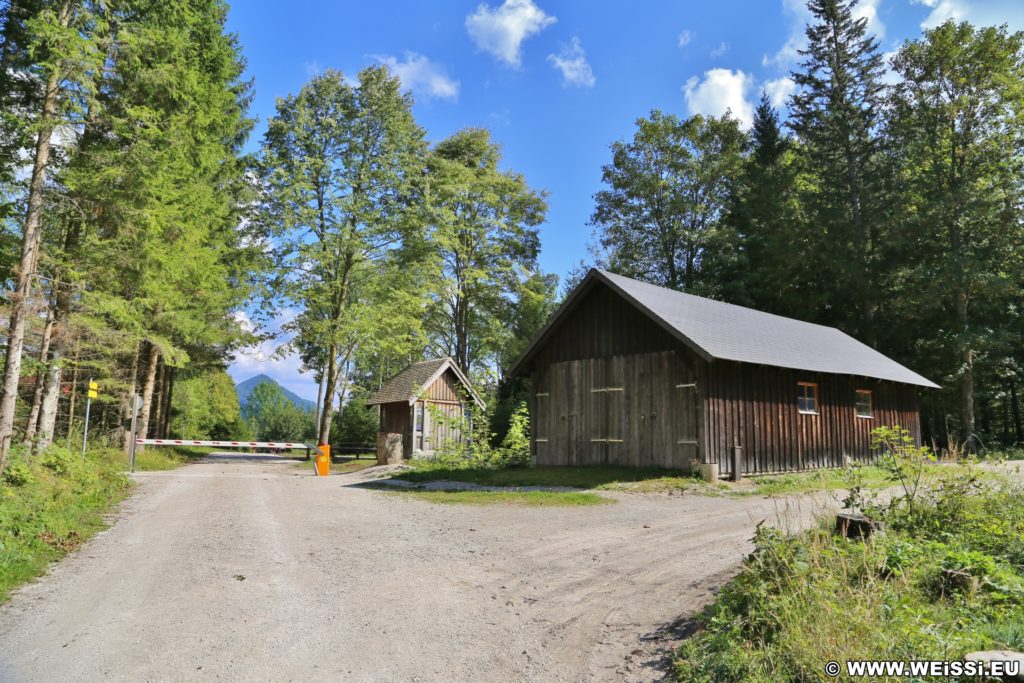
column 252, row 569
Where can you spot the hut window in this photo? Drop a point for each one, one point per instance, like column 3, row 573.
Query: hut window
column 807, row 398
column 864, row 403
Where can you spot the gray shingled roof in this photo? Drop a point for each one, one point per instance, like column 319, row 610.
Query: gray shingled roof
column 407, row 385
column 718, row 330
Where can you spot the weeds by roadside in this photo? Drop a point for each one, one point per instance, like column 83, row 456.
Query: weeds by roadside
column 945, row 578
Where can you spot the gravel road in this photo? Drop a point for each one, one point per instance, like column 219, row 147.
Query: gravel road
column 249, row 568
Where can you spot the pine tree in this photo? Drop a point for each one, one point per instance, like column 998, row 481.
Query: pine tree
column 836, row 114
column 768, row 272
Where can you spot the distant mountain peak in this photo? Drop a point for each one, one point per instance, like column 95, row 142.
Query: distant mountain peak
column 243, row 389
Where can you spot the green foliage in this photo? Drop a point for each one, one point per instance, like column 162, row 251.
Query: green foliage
column 357, row 424
column 516, row 444
column 902, row 458
column 483, row 238
column 52, row 504
column 667, row 193
column 272, row 417
column 340, row 168
column 206, row 407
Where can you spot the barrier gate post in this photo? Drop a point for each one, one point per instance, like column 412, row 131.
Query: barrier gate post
column 323, row 460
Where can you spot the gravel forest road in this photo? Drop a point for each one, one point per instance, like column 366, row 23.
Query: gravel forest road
column 248, row 568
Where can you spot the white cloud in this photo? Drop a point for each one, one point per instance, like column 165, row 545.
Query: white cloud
column 868, row 9
column 989, row 13
column 788, row 55
column 312, row 68
column 779, row 91
column 686, row 37
column 572, row 62
column 720, row 50
column 502, row 30
column 421, row 75
column 721, row 90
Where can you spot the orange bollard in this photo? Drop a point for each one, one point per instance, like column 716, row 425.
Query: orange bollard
column 323, row 460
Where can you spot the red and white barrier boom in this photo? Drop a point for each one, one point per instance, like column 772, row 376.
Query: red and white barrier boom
column 222, row 444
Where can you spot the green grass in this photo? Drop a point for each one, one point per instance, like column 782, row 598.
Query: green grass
column 607, row 478
column 519, row 498
column 51, row 504
column 947, row 578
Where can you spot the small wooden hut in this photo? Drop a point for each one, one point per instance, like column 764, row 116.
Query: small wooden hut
column 421, row 409
column 628, row 373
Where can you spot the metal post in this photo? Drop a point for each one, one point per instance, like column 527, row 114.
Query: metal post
column 85, row 430
column 135, row 414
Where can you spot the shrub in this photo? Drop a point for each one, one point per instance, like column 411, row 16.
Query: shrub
column 515, row 446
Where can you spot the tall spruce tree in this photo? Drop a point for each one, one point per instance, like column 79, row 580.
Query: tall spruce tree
column 61, row 40
column 768, row 271
column 836, row 114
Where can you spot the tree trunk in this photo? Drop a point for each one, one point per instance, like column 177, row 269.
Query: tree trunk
column 126, row 406
column 147, row 393
column 324, row 431
column 74, row 392
column 1018, row 426
column 158, row 414
column 59, row 343
column 1005, row 440
column 37, row 394
column 29, row 255
column 320, row 396
column 966, row 378
column 165, row 428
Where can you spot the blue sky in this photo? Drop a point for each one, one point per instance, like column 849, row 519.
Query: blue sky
column 555, row 82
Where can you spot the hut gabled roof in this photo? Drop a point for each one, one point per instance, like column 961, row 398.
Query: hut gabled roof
column 719, row 331
column 411, row 382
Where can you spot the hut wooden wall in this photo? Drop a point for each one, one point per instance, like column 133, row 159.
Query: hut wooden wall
column 439, row 431
column 445, row 388
column 603, row 324
column 639, row 410
column 757, row 406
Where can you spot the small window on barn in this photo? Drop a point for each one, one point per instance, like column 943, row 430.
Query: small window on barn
column 863, row 403
column 807, row 398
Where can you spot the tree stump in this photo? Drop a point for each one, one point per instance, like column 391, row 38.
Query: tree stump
column 389, row 448
column 856, row 526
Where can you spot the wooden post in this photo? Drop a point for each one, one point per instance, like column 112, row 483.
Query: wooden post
column 737, row 460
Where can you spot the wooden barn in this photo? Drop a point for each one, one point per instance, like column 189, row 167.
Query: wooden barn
column 409, row 403
column 629, row 373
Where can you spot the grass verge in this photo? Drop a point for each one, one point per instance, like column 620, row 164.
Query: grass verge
column 520, row 498
column 605, row 478
column 52, row 503
column 945, row 579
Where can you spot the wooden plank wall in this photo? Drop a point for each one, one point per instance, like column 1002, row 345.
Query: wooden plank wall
column 756, row 406
column 622, row 410
column 603, row 325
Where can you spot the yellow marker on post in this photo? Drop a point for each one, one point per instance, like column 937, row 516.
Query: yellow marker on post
column 323, row 460
column 94, row 390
